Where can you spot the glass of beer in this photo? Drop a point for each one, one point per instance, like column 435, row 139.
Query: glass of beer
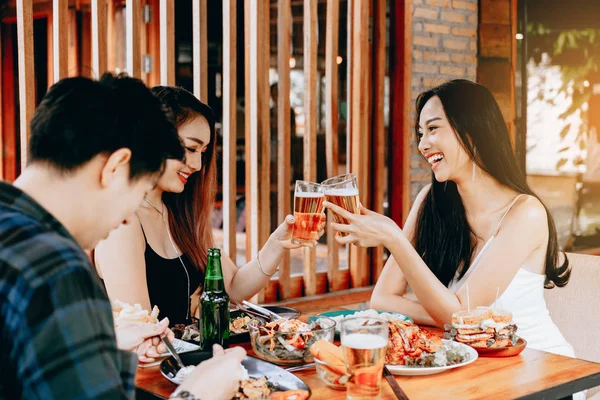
column 342, row 191
column 364, row 343
column 308, row 211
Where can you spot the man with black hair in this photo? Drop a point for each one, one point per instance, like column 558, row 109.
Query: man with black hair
column 96, row 148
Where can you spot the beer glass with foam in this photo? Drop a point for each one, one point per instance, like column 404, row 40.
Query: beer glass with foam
column 364, row 343
column 308, row 211
column 342, row 191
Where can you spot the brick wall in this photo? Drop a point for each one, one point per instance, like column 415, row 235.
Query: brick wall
column 444, row 47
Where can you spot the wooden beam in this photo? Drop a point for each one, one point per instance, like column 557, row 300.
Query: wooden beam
column 153, row 44
column 360, row 101
column 331, row 130
column 73, row 45
column 257, row 128
column 340, row 298
column 200, row 49
column 60, row 23
column 349, row 67
column 86, row 68
column 9, row 128
column 111, row 37
column 26, row 73
column 2, row 116
column 99, row 38
column 50, row 52
column 310, row 125
column 378, row 163
column 134, row 53
column 284, row 14
column 167, row 42
column 400, row 112
column 229, row 125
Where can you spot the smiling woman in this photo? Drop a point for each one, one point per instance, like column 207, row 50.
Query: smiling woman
column 477, row 225
column 159, row 258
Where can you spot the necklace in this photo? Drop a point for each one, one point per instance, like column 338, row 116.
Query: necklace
column 162, row 213
column 153, row 206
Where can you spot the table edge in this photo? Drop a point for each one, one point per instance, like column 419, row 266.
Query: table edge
column 566, row 389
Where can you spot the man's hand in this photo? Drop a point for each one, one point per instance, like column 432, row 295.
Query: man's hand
column 144, row 339
column 217, row 378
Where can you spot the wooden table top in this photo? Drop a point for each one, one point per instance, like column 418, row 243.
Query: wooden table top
column 531, row 374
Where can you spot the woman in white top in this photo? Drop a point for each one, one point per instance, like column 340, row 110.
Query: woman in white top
column 478, row 224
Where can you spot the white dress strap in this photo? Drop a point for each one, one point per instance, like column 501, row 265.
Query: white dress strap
column 506, row 213
column 487, row 244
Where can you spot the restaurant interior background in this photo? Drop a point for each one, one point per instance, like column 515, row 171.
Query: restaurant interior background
column 552, row 80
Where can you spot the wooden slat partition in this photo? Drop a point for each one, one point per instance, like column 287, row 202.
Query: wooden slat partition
column 111, row 33
column 26, row 72
column 229, row 125
column 284, row 16
column 73, row 44
column 2, row 122
column 379, row 148
column 60, row 25
column 99, row 38
column 167, row 42
column 350, row 64
column 310, row 125
column 200, row 49
column 134, row 54
column 257, row 128
column 9, row 128
column 400, row 111
column 359, row 104
column 331, row 131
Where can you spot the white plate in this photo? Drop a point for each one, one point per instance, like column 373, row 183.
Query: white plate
column 416, row 371
column 181, row 346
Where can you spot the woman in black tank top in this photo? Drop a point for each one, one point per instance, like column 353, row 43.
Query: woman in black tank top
column 159, row 257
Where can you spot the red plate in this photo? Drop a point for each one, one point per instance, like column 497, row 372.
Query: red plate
column 509, row 351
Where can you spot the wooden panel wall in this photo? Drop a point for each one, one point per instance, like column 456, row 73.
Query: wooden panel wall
column 496, row 64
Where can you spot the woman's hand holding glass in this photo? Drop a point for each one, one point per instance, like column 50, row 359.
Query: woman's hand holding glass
column 367, row 229
column 282, row 236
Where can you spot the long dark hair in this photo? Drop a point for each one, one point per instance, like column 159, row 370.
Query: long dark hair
column 443, row 236
column 190, row 211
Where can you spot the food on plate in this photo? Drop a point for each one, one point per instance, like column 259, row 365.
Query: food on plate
column 239, row 324
column 288, row 341
column 483, row 327
column 370, row 313
column 412, row 346
column 189, row 332
column 252, row 387
column 407, row 340
column 126, row 313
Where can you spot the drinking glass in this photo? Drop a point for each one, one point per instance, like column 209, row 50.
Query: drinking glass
column 308, row 210
column 364, row 343
column 342, row 191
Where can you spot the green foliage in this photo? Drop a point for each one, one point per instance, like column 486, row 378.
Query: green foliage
column 577, row 53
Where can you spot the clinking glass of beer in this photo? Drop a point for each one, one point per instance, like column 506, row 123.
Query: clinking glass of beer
column 308, row 211
column 342, row 191
column 364, row 344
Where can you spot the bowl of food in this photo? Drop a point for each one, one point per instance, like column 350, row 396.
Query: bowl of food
column 329, row 363
column 238, row 321
column 288, row 342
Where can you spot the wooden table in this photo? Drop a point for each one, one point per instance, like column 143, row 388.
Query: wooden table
column 531, row 375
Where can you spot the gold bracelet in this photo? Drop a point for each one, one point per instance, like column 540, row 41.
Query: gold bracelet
column 260, row 267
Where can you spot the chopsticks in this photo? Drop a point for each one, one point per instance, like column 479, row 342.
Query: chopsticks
column 400, row 395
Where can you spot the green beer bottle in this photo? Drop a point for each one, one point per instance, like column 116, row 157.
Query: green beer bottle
column 214, row 303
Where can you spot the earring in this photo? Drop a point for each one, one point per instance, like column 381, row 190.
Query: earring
column 473, row 174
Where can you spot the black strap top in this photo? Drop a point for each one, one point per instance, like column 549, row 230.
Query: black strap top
column 168, row 284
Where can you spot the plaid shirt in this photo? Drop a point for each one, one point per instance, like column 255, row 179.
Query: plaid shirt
column 57, row 339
